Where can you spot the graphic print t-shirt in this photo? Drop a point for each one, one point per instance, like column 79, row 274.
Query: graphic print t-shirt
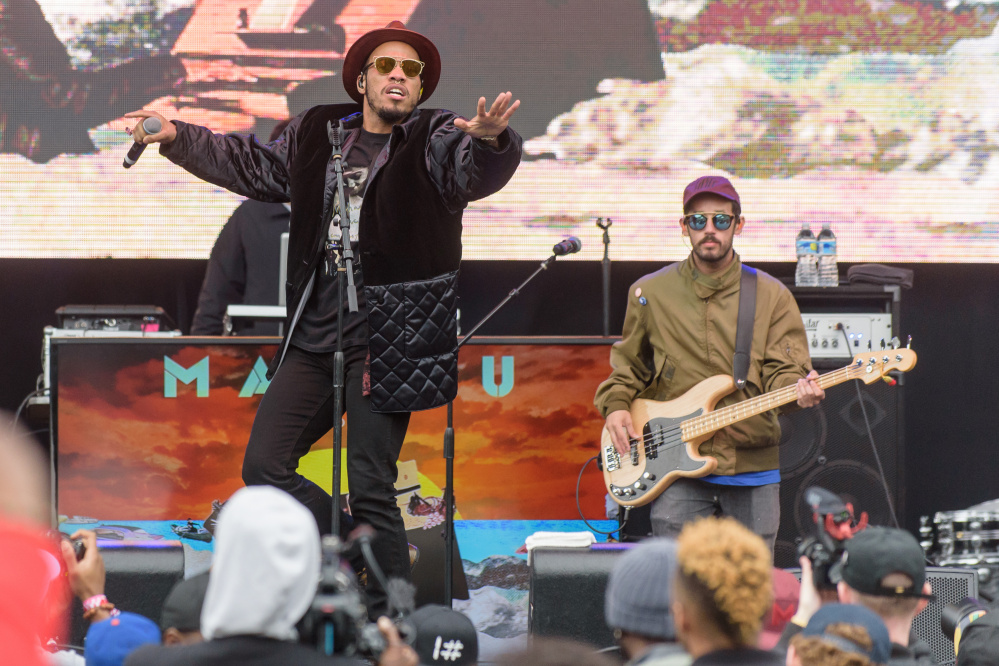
column 316, row 329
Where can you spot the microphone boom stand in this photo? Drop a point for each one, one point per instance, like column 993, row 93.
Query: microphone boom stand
column 340, row 255
column 605, row 266
column 449, row 444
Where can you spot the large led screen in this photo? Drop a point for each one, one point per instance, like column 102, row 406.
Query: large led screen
column 875, row 116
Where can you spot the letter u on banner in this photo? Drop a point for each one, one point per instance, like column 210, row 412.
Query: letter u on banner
column 489, row 376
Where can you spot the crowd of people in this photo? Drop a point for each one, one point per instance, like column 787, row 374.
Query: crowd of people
column 708, row 597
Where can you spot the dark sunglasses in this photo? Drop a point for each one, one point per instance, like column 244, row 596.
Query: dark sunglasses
column 385, row 64
column 698, row 221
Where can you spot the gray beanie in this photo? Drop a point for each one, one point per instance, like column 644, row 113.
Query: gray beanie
column 638, row 590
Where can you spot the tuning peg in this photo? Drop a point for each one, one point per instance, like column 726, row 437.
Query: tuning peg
column 896, row 343
column 884, row 345
column 908, row 344
column 870, row 345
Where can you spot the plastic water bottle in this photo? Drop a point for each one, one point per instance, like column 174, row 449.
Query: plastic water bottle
column 807, row 249
column 828, row 270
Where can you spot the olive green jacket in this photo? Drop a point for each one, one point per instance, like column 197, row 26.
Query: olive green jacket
column 679, row 329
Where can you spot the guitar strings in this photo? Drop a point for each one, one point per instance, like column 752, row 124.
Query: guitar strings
column 696, row 422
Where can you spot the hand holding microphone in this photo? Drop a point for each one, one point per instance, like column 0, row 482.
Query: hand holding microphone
column 154, row 127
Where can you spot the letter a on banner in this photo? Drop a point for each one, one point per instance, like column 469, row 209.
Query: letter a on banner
column 256, row 382
column 489, row 376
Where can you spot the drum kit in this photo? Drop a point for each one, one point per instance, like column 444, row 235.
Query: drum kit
column 968, row 539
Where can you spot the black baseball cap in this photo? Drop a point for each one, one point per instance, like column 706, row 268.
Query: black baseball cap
column 444, row 636
column 876, row 552
column 182, row 606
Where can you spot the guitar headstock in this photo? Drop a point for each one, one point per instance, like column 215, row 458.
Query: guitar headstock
column 874, row 364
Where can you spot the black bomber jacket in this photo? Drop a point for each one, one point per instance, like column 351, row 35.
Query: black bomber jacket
column 409, row 235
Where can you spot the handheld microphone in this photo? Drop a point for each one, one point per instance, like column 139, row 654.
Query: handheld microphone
column 570, row 245
column 149, row 126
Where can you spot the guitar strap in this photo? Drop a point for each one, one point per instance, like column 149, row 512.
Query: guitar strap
column 744, row 327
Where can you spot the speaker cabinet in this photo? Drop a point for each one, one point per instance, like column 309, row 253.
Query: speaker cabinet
column 567, row 592
column 140, row 574
column 950, row 586
column 829, row 446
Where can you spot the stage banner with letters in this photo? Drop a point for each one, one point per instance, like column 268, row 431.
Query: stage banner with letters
column 156, row 429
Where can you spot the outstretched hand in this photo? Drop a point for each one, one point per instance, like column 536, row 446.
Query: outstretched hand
column 167, row 133
column 489, row 123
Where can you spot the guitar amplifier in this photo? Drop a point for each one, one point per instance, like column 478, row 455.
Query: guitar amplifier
column 840, row 335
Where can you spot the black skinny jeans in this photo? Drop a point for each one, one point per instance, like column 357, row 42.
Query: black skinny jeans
column 297, row 410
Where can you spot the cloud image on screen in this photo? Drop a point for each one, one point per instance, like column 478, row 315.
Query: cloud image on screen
column 870, row 115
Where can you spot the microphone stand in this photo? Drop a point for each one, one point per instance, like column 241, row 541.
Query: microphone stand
column 339, row 257
column 605, row 266
column 449, row 539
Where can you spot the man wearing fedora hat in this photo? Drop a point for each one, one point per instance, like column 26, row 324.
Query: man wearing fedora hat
column 680, row 329
column 409, row 172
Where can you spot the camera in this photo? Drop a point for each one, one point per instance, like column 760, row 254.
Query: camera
column 79, row 547
column 956, row 618
column 835, row 524
column 337, row 621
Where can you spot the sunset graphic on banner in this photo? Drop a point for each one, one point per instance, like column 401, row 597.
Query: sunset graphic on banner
column 127, row 452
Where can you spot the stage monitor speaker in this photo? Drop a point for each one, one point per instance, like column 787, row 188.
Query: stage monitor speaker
column 950, row 586
column 139, row 577
column 567, row 592
column 828, row 446
column 428, row 570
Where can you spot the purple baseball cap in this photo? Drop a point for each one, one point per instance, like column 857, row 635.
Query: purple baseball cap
column 718, row 185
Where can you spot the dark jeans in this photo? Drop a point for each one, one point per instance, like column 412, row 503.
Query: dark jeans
column 297, row 410
column 756, row 507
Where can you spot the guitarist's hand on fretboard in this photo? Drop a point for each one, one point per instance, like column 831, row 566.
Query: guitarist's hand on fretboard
column 621, row 430
column 809, row 391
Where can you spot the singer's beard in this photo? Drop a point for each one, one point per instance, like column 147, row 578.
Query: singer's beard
column 714, row 257
column 389, row 115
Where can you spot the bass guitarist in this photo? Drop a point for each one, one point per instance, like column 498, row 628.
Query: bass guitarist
column 679, row 329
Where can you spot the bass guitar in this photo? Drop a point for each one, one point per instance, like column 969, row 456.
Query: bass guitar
column 671, row 431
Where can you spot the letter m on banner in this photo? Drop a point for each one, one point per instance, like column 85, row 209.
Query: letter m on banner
column 174, row 372
column 489, row 376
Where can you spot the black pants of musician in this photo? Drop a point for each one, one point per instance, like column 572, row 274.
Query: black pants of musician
column 296, row 410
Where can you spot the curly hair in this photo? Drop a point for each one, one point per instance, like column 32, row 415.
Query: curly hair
column 813, row 651
column 726, row 570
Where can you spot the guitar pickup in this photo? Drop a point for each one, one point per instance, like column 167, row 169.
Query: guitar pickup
column 612, row 461
column 652, row 448
column 634, row 451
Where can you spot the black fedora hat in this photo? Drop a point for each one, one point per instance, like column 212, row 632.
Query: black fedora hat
column 394, row 32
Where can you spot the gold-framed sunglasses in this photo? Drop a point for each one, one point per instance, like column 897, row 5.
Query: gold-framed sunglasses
column 385, row 64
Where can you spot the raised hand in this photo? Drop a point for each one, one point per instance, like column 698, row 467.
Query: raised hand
column 167, row 134
column 489, row 123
